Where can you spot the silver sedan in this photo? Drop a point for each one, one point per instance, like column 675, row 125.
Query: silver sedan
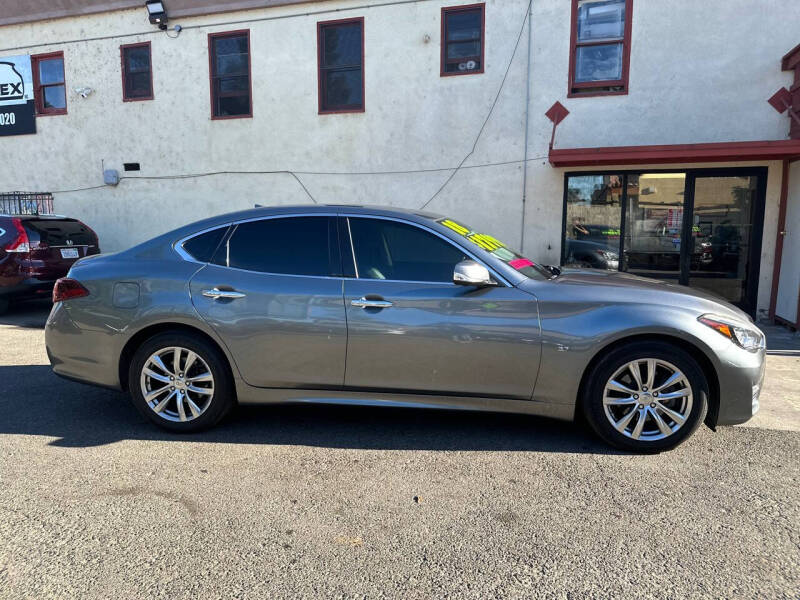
column 357, row 305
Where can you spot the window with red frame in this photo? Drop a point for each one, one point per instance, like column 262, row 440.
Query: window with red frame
column 462, row 39
column 137, row 74
column 50, row 89
column 229, row 56
column 340, row 62
column 601, row 44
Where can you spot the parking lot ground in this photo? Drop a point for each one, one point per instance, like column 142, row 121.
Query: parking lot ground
column 316, row 502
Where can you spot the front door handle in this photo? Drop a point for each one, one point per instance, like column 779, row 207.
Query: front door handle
column 364, row 303
column 217, row 293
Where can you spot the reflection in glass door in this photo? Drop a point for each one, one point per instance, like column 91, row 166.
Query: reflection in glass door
column 653, row 224
column 722, row 235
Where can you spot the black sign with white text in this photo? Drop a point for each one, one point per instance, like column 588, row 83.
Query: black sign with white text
column 17, row 107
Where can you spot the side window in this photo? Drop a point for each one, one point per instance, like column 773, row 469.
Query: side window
column 137, row 73
column 391, row 250
column 202, row 247
column 289, row 245
column 462, row 39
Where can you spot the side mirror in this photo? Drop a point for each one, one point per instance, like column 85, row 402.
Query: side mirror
column 469, row 272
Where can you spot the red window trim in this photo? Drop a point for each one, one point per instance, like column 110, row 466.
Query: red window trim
column 334, row 111
column 443, row 41
column 220, row 34
column 41, row 111
column 122, row 49
column 626, row 59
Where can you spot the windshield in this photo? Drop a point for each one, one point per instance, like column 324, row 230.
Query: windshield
column 498, row 249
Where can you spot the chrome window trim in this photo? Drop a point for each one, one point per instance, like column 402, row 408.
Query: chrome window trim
column 178, row 245
column 494, row 273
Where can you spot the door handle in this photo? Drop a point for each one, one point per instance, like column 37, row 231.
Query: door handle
column 364, row 303
column 217, row 293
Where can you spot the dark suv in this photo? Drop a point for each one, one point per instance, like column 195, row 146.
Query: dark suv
column 35, row 250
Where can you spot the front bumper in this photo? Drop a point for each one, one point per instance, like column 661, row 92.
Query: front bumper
column 741, row 376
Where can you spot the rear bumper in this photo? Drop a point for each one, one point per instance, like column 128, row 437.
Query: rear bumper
column 28, row 288
column 82, row 355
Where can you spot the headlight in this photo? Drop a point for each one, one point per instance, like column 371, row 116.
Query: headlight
column 739, row 333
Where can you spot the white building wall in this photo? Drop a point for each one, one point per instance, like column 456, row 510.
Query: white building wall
column 699, row 72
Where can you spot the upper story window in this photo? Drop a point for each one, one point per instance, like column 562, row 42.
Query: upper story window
column 340, row 60
column 601, row 44
column 286, row 245
column 137, row 74
column 48, row 81
column 229, row 67
column 462, row 39
column 390, row 250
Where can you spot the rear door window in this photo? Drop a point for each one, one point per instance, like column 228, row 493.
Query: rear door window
column 391, row 250
column 58, row 232
column 287, row 245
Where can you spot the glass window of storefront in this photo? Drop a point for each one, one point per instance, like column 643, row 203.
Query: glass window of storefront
column 697, row 227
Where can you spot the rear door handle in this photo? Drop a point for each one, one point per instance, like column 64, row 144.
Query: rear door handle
column 364, row 303
column 217, row 293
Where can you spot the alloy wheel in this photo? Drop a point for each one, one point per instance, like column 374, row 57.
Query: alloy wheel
column 177, row 384
column 647, row 399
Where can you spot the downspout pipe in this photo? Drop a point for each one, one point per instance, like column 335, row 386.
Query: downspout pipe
column 527, row 114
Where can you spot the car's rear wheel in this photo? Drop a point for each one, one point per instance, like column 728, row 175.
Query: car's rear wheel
column 646, row 396
column 180, row 382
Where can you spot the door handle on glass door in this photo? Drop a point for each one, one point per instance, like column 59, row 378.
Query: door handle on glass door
column 365, row 303
column 217, row 294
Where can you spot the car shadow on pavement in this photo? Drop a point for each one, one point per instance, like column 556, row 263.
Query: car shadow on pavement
column 33, row 401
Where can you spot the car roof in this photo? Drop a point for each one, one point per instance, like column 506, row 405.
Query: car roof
column 28, row 217
column 310, row 209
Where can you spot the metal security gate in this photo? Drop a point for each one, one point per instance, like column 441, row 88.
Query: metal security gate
column 26, row 203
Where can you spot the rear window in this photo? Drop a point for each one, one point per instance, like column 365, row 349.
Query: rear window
column 290, row 245
column 202, row 247
column 59, row 232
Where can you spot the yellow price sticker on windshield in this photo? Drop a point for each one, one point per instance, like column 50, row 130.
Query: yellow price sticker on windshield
column 460, row 229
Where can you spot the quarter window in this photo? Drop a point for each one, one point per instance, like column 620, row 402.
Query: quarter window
column 137, row 74
column 462, row 39
column 50, row 86
column 202, row 247
column 391, row 250
column 291, row 246
column 341, row 65
column 600, row 53
column 229, row 56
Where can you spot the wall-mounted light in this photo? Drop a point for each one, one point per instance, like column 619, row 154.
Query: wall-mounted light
column 157, row 13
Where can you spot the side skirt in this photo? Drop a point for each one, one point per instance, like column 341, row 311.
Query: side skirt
column 253, row 395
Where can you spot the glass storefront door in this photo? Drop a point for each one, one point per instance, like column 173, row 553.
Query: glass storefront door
column 654, row 225
column 696, row 227
column 722, row 235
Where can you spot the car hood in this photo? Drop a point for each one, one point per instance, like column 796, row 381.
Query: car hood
column 610, row 286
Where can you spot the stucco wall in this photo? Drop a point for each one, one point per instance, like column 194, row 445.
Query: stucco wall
column 698, row 74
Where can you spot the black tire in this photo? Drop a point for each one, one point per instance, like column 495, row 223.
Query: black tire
column 594, row 390
column 222, row 400
column 4, row 304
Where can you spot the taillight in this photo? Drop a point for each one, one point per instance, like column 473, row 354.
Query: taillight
column 96, row 239
column 20, row 244
column 66, row 289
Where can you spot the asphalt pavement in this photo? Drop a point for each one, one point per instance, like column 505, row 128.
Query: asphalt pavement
column 323, row 501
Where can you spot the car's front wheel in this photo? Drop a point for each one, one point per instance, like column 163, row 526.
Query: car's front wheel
column 646, row 396
column 180, row 382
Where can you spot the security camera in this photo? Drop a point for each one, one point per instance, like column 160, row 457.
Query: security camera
column 83, row 91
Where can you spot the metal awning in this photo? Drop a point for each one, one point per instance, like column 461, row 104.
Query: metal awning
column 676, row 153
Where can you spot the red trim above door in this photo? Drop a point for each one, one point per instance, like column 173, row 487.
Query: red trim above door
column 676, row 153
